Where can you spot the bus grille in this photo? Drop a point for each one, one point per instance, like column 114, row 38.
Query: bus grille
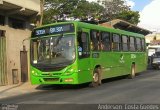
column 51, row 74
column 50, row 79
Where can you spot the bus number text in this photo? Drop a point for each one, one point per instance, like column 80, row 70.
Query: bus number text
column 56, row 29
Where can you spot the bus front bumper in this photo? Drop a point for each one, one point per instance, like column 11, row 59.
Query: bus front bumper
column 70, row 79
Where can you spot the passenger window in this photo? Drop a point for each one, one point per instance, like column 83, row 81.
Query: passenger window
column 138, row 44
column 95, row 40
column 143, row 45
column 116, row 43
column 105, row 41
column 125, row 43
column 83, row 45
column 132, row 44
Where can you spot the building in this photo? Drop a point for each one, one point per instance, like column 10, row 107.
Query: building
column 15, row 19
column 153, row 39
column 153, row 44
column 124, row 25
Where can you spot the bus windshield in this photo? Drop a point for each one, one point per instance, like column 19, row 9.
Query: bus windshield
column 53, row 50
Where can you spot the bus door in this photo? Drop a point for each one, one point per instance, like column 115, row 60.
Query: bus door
column 83, row 50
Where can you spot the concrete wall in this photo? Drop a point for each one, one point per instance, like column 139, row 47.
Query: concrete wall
column 14, row 39
column 30, row 4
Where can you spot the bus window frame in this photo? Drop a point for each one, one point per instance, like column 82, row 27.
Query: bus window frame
column 138, row 49
column 88, row 40
column 143, row 46
column 110, row 42
column 119, row 43
column 125, row 43
column 99, row 40
column 130, row 44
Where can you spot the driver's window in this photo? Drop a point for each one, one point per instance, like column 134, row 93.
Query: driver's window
column 83, row 45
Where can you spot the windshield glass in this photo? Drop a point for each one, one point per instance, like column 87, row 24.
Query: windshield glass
column 53, row 50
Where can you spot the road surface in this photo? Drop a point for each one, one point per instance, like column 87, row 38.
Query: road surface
column 143, row 89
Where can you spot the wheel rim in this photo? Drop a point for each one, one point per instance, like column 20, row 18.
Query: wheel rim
column 95, row 77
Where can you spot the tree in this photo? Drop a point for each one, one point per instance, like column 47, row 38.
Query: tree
column 87, row 10
column 77, row 9
column 130, row 16
column 60, row 10
column 114, row 9
column 56, row 9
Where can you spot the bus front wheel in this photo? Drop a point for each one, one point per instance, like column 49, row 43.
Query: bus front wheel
column 96, row 77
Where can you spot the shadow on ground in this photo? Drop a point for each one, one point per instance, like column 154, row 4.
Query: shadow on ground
column 5, row 90
column 78, row 86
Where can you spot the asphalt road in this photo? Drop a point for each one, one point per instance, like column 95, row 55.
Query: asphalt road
column 143, row 89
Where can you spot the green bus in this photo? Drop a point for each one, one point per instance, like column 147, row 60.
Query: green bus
column 77, row 52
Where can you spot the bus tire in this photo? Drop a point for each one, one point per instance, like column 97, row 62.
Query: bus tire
column 96, row 77
column 132, row 74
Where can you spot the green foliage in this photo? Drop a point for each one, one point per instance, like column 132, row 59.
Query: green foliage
column 117, row 9
column 130, row 16
column 60, row 9
column 112, row 8
column 56, row 10
column 85, row 9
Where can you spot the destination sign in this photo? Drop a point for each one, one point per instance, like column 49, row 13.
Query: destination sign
column 55, row 29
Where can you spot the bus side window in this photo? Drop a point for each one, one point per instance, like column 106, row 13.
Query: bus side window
column 143, row 45
column 138, row 44
column 116, row 42
column 125, row 43
column 83, row 45
column 95, row 40
column 105, row 41
column 132, row 44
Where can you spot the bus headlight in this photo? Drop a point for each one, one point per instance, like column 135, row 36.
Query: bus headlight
column 68, row 73
column 34, row 73
column 70, row 70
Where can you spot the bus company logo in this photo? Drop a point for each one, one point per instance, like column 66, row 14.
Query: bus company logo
column 133, row 56
column 121, row 59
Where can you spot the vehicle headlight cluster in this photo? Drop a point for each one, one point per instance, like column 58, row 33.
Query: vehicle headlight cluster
column 70, row 71
column 34, row 73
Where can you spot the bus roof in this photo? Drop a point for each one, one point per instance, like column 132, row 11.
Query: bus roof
column 93, row 26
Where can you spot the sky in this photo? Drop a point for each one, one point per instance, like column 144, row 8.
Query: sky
column 149, row 13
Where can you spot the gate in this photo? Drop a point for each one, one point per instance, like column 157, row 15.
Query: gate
column 3, row 63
